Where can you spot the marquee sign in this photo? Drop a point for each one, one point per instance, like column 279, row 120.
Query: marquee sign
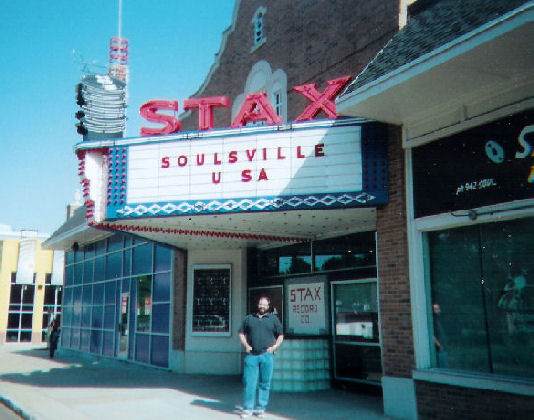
column 325, row 164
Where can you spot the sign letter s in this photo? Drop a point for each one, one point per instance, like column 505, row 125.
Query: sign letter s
column 148, row 112
column 527, row 148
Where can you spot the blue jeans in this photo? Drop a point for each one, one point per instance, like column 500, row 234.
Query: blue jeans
column 257, row 375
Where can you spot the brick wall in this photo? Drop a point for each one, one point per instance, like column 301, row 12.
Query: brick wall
column 439, row 401
column 393, row 276
column 312, row 41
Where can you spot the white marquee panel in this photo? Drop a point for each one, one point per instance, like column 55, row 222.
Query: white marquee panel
column 271, row 161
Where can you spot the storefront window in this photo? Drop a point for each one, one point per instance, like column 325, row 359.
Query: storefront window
column 482, row 297
column 88, row 269
column 144, row 303
column 92, row 311
column 142, row 259
column 162, row 259
column 89, row 251
column 356, row 311
column 291, row 259
column 114, row 265
column 356, row 250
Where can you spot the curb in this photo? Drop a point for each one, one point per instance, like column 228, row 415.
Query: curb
column 15, row 408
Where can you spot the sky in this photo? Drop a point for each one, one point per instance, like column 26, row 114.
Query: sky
column 172, row 45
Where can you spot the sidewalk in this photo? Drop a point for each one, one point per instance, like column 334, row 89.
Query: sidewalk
column 78, row 386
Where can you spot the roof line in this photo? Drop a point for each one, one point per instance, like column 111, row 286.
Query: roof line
column 460, row 45
column 222, row 47
column 65, row 235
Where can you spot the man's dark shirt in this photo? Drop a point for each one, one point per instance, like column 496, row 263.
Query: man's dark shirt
column 440, row 333
column 261, row 333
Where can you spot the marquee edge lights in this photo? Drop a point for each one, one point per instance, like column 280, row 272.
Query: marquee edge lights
column 195, row 233
column 255, row 107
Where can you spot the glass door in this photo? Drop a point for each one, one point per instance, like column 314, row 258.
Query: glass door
column 124, row 326
column 355, row 331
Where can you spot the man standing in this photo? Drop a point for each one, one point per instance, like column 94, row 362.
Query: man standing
column 440, row 338
column 261, row 334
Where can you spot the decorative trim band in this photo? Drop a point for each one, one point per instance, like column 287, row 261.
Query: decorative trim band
column 185, row 232
column 246, row 204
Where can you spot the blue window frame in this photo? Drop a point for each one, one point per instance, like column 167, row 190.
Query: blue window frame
column 96, row 276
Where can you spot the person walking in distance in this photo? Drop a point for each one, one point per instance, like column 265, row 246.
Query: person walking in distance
column 54, row 336
column 261, row 334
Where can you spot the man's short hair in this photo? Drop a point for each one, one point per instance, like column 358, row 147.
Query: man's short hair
column 266, row 298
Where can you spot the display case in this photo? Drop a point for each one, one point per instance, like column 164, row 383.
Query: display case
column 211, row 300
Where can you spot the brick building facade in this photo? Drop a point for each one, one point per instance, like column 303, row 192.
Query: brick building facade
column 354, row 257
column 311, row 42
column 453, row 80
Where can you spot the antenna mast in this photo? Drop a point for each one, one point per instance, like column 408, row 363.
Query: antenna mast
column 120, row 18
column 118, row 53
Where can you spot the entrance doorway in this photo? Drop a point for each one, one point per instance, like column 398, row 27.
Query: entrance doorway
column 123, row 333
column 355, row 331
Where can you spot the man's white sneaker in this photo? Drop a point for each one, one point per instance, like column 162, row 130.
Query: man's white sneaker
column 260, row 414
column 245, row 414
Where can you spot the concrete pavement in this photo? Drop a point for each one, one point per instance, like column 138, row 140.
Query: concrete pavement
column 80, row 386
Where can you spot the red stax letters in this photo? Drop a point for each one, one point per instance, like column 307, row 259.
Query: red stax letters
column 148, row 112
column 256, row 107
column 321, row 101
column 205, row 109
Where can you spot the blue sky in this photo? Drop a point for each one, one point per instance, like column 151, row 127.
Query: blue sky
column 172, row 47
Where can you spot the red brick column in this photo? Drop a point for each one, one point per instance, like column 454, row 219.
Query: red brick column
column 393, row 277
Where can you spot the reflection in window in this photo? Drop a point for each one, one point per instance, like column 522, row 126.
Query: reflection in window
column 142, row 259
column 355, row 250
column 88, row 269
column 358, row 362
column 356, row 310
column 144, row 303
column 349, row 251
column 287, row 260
column 114, row 265
column 482, row 289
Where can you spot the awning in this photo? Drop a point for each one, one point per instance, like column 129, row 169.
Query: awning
column 449, row 65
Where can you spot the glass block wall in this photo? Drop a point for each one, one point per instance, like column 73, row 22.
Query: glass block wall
column 117, row 300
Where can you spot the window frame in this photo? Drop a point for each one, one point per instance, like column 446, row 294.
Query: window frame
column 211, row 267
column 258, row 28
